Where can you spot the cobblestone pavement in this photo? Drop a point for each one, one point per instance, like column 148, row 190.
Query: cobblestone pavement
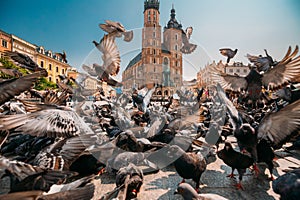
column 163, row 184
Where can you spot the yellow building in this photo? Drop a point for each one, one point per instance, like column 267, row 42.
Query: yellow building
column 5, row 42
column 52, row 62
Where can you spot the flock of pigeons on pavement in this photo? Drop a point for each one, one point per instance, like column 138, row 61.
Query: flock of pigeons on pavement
column 46, row 145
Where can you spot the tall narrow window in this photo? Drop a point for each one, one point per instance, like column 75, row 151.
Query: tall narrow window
column 50, row 79
column 154, row 52
column 154, row 60
column 149, row 15
column 42, row 63
column 50, row 67
column 56, row 69
column 176, row 47
column 154, row 16
column 176, row 37
column 63, row 71
column 4, row 43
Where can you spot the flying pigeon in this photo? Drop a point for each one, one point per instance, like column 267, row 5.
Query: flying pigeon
column 229, row 53
column 187, row 47
column 116, row 29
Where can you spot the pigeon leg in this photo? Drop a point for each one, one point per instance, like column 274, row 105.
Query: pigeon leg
column 239, row 185
column 231, row 175
column 101, row 171
column 256, row 169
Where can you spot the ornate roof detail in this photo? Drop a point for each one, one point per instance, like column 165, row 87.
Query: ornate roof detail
column 173, row 23
column 151, row 4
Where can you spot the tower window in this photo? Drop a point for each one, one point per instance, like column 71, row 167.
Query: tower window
column 149, row 15
column 154, row 34
column 176, row 37
column 154, row 60
column 176, row 47
column 154, row 52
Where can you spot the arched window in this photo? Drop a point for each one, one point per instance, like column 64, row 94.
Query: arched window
column 176, row 47
column 176, row 37
column 154, row 60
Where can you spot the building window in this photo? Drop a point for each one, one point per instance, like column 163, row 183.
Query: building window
column 50, row 67
column 154, row 52
column 176, row 55
column 50, row 79
column 149, row 15
column 57, row 80
column 176, row 37
column 231, row 70
column 238, row 70
column 56, row 69
column 176, row 64
column 154, row 34
column 154, row 16
column 154, row 60
column 63, row 71
column 153, row 43
column 176, row 47
column 42, row 63
column 245, row 70
column 4, row 43
column 154, row 69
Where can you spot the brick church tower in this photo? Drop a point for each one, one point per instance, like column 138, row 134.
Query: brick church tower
column 160, row 61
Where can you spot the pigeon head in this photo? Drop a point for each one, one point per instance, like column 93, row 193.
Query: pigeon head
column 186, row 191
column 247, row 129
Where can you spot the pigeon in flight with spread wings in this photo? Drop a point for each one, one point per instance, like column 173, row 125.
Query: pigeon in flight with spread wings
column 187, row 46
column 116, row 29
column 287, row 70
column 270, row 127
column 229, row 53
column 46, row 120
column 111, row 56
column 13, row 87
column 262, row 63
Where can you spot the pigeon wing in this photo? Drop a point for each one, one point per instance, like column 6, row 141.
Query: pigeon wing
column 14, row 87
column 228, row 82
column 111, row 55
column 287, row 70
column 278, row 126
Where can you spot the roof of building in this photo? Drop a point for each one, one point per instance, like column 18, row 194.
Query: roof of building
column 133, row 61
column 151, row 4
column 173, row 23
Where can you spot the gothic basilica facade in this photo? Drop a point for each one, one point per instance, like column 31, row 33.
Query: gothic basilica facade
column 160, row 60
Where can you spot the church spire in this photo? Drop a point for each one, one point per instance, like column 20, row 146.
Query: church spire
column 173, row 23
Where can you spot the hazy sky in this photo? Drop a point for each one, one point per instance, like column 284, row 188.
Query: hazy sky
column 71, row 25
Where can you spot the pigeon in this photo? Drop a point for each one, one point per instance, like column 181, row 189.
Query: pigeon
column 263, row 64
column 46, row 120
column 63, row 55
column 235, row 160
column 27, row 177
column 188, row 165
column 132, row 179
column 187, row 47
column 116, row 29
column 287, row 70
column 111, row 56
column 140, row 101
column 188, row 193
column 229, row 53
column 24, row 61
column 13, row 87
column 288, row 185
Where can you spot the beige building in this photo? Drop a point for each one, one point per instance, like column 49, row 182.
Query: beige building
column 47, row 59
column 204, row 75
column 52, row 62
column 5, row 42
column 160, row 61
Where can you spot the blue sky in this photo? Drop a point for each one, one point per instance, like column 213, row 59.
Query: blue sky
column 71, row 25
